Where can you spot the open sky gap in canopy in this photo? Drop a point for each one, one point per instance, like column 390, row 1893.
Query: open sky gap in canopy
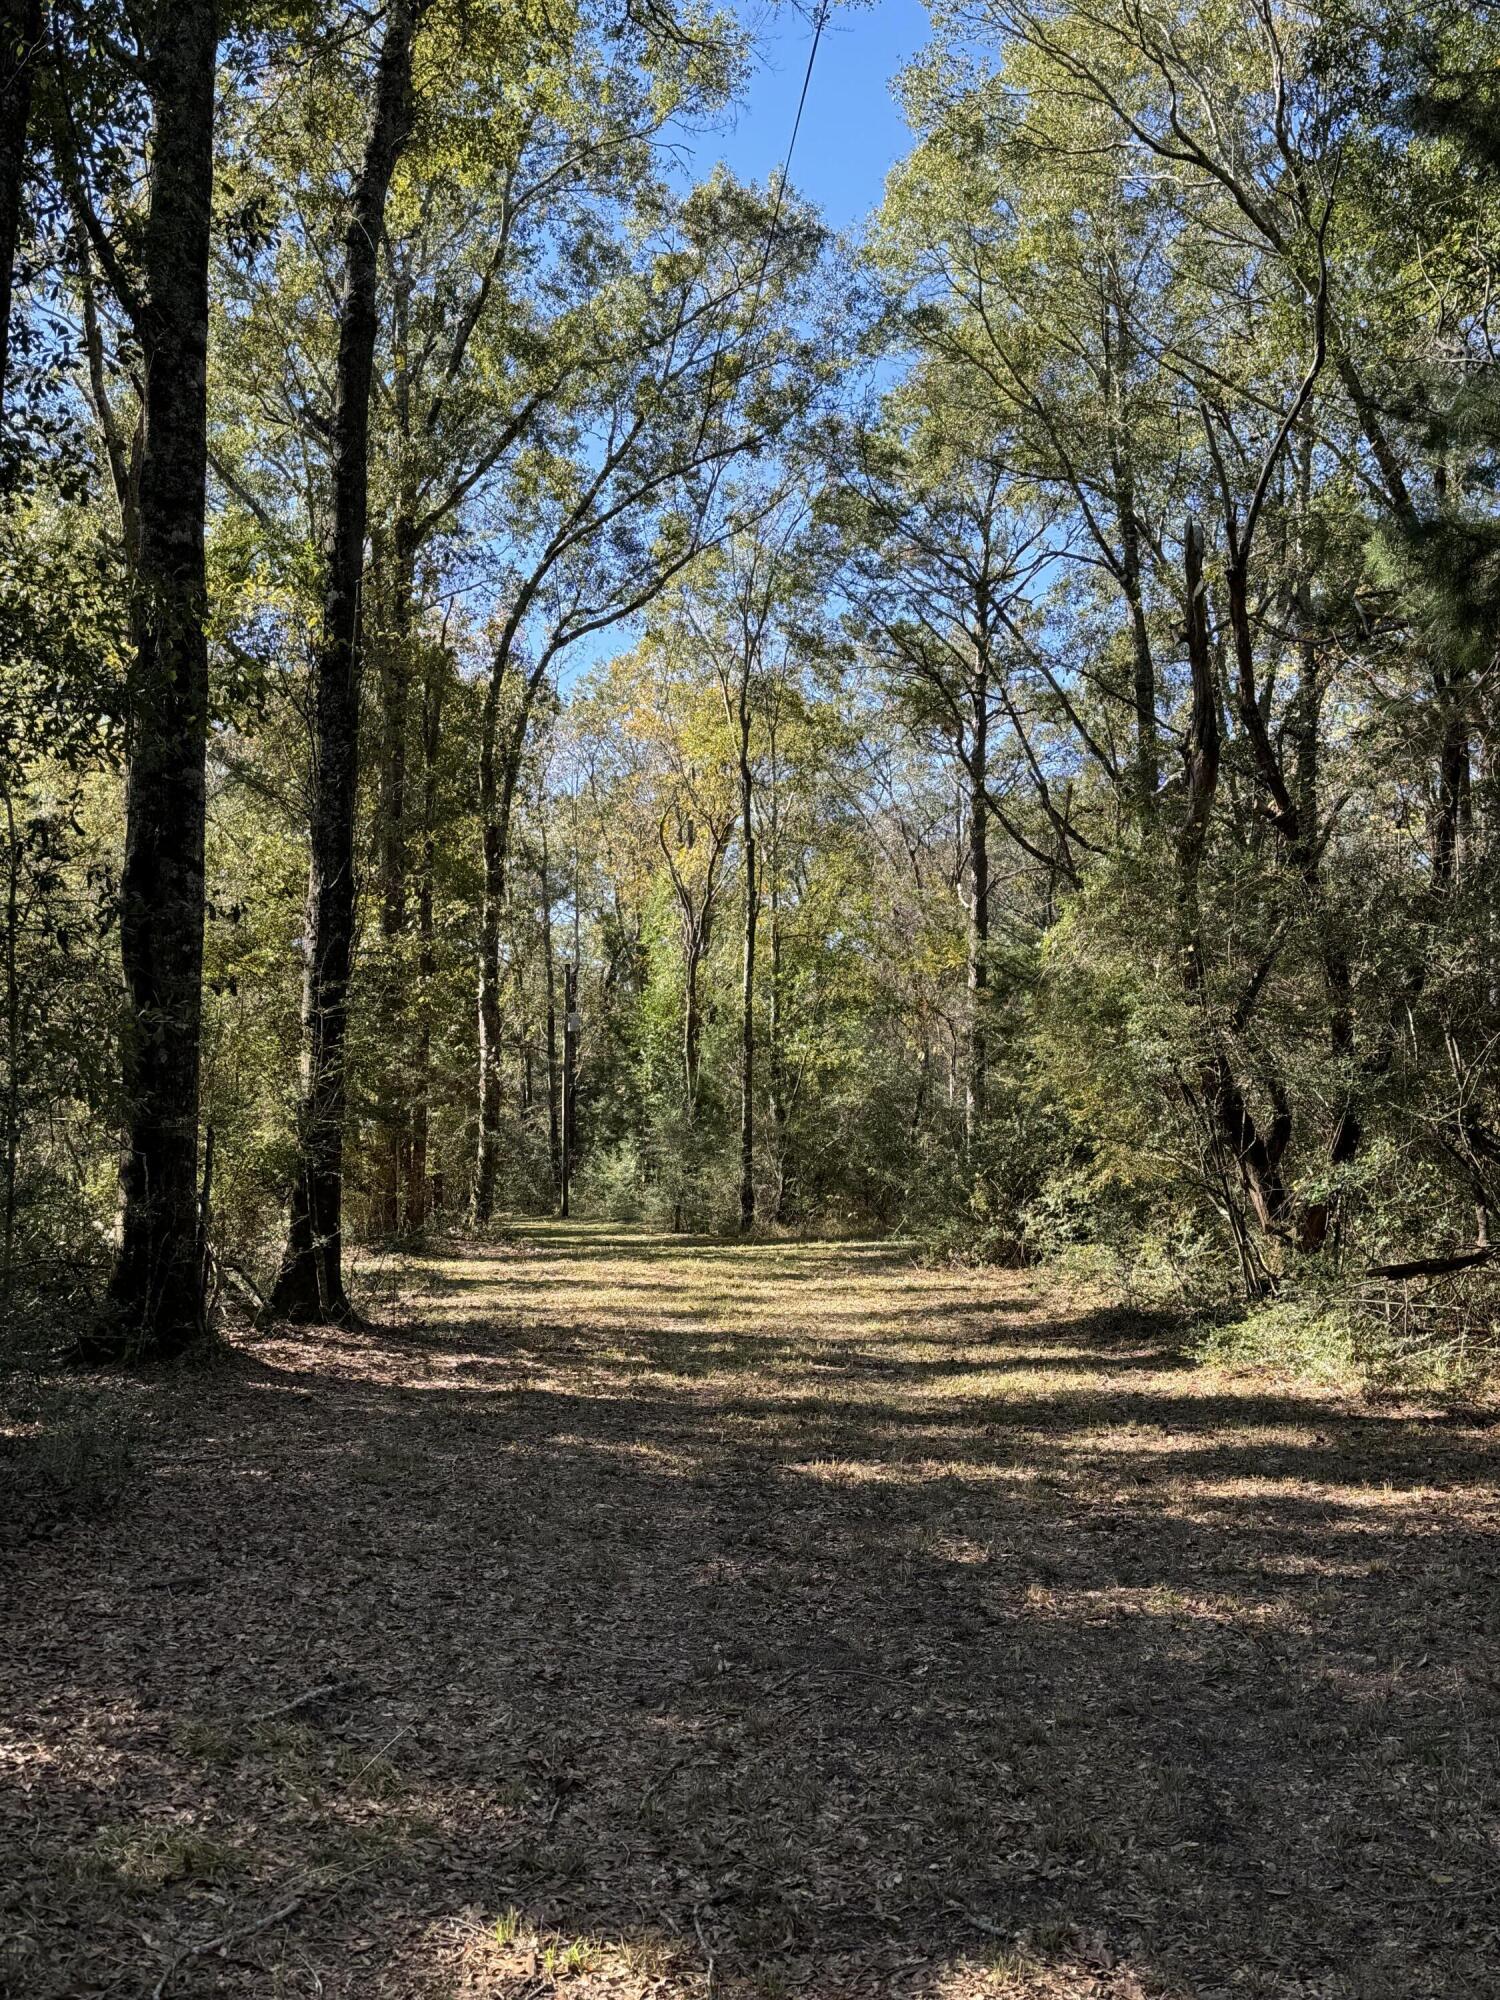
column 851, row 133
column 852, row 129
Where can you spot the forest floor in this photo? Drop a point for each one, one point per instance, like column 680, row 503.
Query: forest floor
column 628, row 1616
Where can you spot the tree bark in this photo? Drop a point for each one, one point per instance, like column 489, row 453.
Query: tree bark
column 777, row 1094
column 569, row 1086
column 692, row 1023
column 1256, row 1158
column 393, row 1135
column 496, row 789
column 156, row 1301
column 976, row 1080
column 12, row 1034
column 493, row 838
column 747, row 974
column 554, row 1130
column 1318, row 1222
column 20, row 52
column 499, row 774
column 310, row 1286
column 417, row 1202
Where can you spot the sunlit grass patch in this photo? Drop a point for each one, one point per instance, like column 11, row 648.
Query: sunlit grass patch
column 370, row 1773
column 148, row 1858
column 513, row 1945
column 206, row 1742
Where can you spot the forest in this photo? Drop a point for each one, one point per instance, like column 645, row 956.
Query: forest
column 982, row 728
column 709, row 922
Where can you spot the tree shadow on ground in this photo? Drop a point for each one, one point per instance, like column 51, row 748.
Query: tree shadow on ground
column 1025, row 1671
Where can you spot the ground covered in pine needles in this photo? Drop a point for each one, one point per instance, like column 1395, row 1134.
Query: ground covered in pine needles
column 625, row 1616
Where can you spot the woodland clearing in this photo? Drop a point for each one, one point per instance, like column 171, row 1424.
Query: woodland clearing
column 627, row 1615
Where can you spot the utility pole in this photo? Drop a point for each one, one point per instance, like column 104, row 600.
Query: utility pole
column 572, row 1025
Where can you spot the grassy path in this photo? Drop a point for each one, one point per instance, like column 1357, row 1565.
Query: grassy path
column 627, row 1617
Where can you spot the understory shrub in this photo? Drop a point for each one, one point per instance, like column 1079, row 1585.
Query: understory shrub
column 66, row 1453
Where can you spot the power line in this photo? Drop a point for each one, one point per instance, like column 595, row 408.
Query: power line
column 820, row 21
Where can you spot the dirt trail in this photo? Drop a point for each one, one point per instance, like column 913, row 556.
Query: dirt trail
column 631, row 1617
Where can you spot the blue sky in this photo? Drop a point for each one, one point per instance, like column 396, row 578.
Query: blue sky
column 852, row 133
column 852, row 130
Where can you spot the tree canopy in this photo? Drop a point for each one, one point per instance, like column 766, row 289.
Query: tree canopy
column 532, row 675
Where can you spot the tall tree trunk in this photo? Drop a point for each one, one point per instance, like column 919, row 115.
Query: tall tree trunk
column 554, row 1130
column 1317, row 1224
column 496, row 790
column 976, row 1080
column 1252, row 1160
column 156, row 1295
column 692, row 1027
column 776, row 1082
column 393, row 1134
column 747, row 974
column 12, row 1033
column 310, row 1286
column 569, row 1085
column 493, row 837
column 392, row 585
column 20, row 52
column 432, row 726
column 697, row 921
column 499, row 773
column 776, row 1063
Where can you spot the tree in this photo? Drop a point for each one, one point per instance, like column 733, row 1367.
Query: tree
column 941, row 564
column 310, row 1285
column 530, row 157
column 156, row 1297
column 20, row 53
column 699, row 371
column 742, row 608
